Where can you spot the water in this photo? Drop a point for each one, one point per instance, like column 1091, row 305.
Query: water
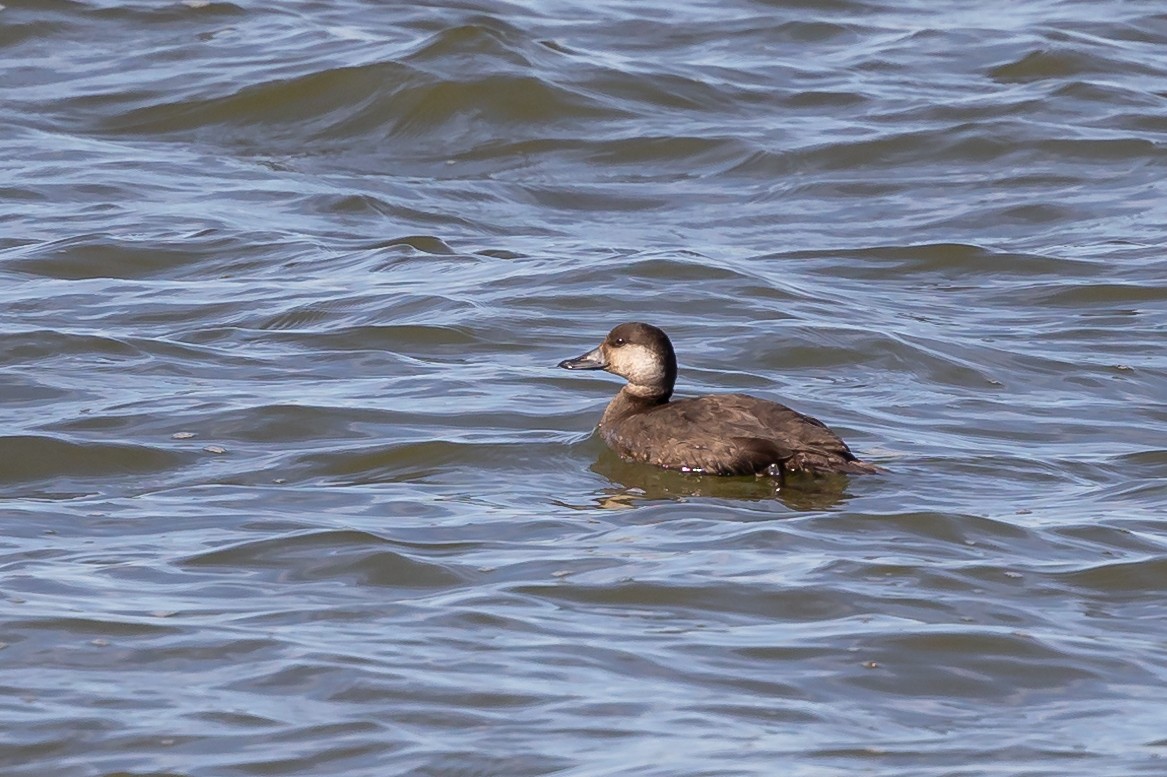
column 290, row 485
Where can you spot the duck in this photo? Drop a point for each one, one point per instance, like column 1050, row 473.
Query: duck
column 715, row 434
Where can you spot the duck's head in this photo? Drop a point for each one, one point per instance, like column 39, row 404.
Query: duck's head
column 640, row 353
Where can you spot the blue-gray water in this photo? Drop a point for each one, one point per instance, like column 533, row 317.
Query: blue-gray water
column 289, row 485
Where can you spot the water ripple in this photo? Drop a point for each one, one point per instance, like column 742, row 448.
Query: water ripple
column 291, row 483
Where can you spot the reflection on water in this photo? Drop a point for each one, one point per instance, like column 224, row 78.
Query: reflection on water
column 638, row 481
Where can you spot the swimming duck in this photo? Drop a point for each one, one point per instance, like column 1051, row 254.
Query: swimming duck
column 721, row 434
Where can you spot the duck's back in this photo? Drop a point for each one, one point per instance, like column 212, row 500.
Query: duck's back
column 729, row 434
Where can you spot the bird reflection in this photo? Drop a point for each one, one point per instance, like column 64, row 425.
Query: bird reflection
column 643, row 482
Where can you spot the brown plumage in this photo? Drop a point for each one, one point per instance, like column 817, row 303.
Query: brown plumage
column 720, row 434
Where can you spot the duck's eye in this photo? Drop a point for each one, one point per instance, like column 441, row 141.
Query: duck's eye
column 619, row 341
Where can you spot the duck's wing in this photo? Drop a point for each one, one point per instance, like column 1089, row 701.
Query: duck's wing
column 815, row 447
column 697, row 436
column 765, row 431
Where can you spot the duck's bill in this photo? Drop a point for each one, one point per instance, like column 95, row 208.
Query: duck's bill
column 592, row 360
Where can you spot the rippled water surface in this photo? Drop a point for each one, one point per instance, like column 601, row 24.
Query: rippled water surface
column 289, row 483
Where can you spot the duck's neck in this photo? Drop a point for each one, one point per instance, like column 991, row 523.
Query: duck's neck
column 634, row 399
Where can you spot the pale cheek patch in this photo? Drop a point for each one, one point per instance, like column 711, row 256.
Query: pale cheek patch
column 639, row 365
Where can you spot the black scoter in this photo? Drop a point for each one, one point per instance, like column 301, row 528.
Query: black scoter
column 720, row 434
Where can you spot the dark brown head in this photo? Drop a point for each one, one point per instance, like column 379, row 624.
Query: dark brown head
column 641, row 353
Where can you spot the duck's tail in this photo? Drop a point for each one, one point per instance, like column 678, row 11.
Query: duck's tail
column 815, row 462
